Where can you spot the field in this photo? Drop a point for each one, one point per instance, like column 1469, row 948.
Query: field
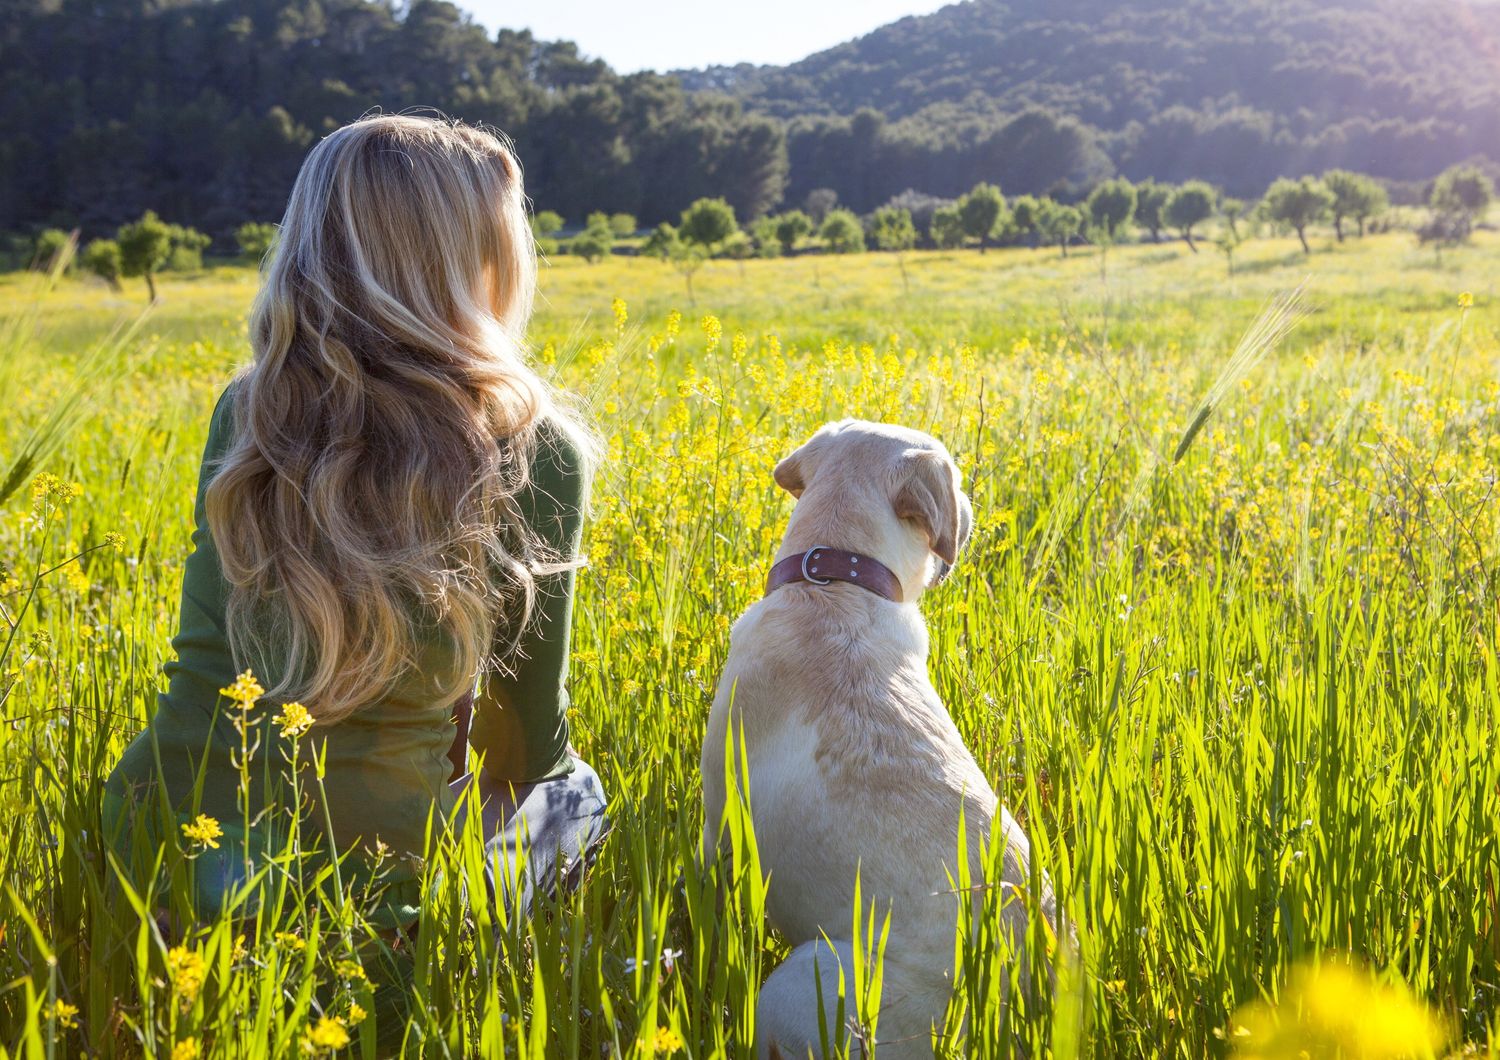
column 1244, row 703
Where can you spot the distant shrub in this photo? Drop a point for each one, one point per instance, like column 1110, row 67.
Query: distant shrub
column 187, row 247
column 144, row 246
column 623, row 225
column 547, row 223
column 102, row 258
column 1355, row 196
column 255, row 239
column 981, row 211
column 51, row 243
column 792, row 226
column 708, row 222
column 1297, row 203
column 596, row 242
column 767, row 242
column 1110, row 208
column 842, row 232
column 947, row 227
column 1189, row 206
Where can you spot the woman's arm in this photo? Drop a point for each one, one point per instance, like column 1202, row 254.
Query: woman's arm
column 520, row 720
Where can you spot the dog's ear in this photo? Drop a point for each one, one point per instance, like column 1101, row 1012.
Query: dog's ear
column 788, row 474
column 929, row 496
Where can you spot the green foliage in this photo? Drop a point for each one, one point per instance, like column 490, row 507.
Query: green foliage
column 596, row 242
column 623, row 225
column 819, row 203
column 738, row 247
column 1024, row 213
column 708, row 222
column 1151, row 201
column 1110, row 207
column 980, row 212
column 662, row 243
column 546, row 223
column 1059, row 224
column 792, row 226
column 52, row 245
column 947, row 228
column 255, row 239
column 1189, row 206
column 1297, row 204
column 188, row 245
column 144, row 246
column 102, row 258
column 1233, row 211
column 1354, row 196
column 767, row 239
column 842, row 232
column 892, row 229
column 1460, row 197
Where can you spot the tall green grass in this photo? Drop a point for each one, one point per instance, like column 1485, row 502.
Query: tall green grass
column 1244, row 704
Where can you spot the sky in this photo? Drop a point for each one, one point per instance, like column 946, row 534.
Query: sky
column 634, row 35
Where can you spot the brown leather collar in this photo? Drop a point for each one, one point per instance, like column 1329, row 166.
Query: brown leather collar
column 820, row 565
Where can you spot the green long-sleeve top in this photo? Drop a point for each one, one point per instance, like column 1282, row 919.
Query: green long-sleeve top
column 386, row 765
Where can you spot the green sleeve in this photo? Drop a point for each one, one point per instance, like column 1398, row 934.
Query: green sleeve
column 521, row 712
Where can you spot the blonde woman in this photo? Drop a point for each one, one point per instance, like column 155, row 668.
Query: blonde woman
column 388, row 515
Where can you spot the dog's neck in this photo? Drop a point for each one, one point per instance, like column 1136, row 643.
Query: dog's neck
column 822, row 520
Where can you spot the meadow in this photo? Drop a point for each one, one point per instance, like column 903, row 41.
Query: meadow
column 1243, row 702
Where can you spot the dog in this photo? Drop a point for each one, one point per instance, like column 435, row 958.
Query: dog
column 854, row 764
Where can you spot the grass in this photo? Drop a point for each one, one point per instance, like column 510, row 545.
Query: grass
column 1244, row 704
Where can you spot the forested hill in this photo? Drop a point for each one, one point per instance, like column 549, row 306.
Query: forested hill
column 203, row 110
column 1233, row 91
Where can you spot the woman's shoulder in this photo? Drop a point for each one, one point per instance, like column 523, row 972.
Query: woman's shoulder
column 562, row 449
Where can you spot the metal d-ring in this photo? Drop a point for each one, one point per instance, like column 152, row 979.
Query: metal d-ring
column 806, row 558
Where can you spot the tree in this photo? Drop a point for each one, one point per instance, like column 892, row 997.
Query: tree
column 790, row 227
column 255, row 239
column 1059, row 224
column 947, row 228
column 820, row 203
column 597, row 240
column 623, row 225
column 1190, row 205
column 666, row 245
column 980, row 212
column 547, row 223
column 767, row 242
column 842, row 232
column 102, row 258
column 187, row 247
column 144, row 246
column 1232, row 210
column 1151, row 201
column 1024, row 211
column 893, row 231
column 708, row 222
column 1354, row 195
column 1110, row 207
column 53, row 246
column 1462, row 195
column 1298, row 203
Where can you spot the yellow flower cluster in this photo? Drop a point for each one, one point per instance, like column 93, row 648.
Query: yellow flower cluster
column 328, row 1034
column 294, row 720
column 186, row 970
column 203, row 830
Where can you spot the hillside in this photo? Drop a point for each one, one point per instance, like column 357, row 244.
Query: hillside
column 1236, row 91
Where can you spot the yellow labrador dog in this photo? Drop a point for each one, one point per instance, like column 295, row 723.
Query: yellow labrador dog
column 854, row 763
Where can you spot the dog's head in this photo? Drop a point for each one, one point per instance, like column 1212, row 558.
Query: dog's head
column 889, row 488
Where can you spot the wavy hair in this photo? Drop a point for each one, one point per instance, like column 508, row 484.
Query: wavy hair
column 387, row 421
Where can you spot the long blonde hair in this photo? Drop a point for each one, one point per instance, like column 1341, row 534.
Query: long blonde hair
column 388, row 419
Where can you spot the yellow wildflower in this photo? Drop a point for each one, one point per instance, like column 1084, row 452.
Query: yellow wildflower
column 1466, row 300
column 294, row 719
column 205, row 830
column 187, row 1049
column 245, row 691
column 356, row 1014
column 114, row 539
column 667, row 1040
column 1337, row 1009
column 328, row 1033
column 186, row 969
column 348, row 969
column 621, row 313
column 65, row 1014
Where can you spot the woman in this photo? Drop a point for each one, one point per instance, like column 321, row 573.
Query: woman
column 388, row 510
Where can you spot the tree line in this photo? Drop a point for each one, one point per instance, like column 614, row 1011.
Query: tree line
column 1114, row 211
